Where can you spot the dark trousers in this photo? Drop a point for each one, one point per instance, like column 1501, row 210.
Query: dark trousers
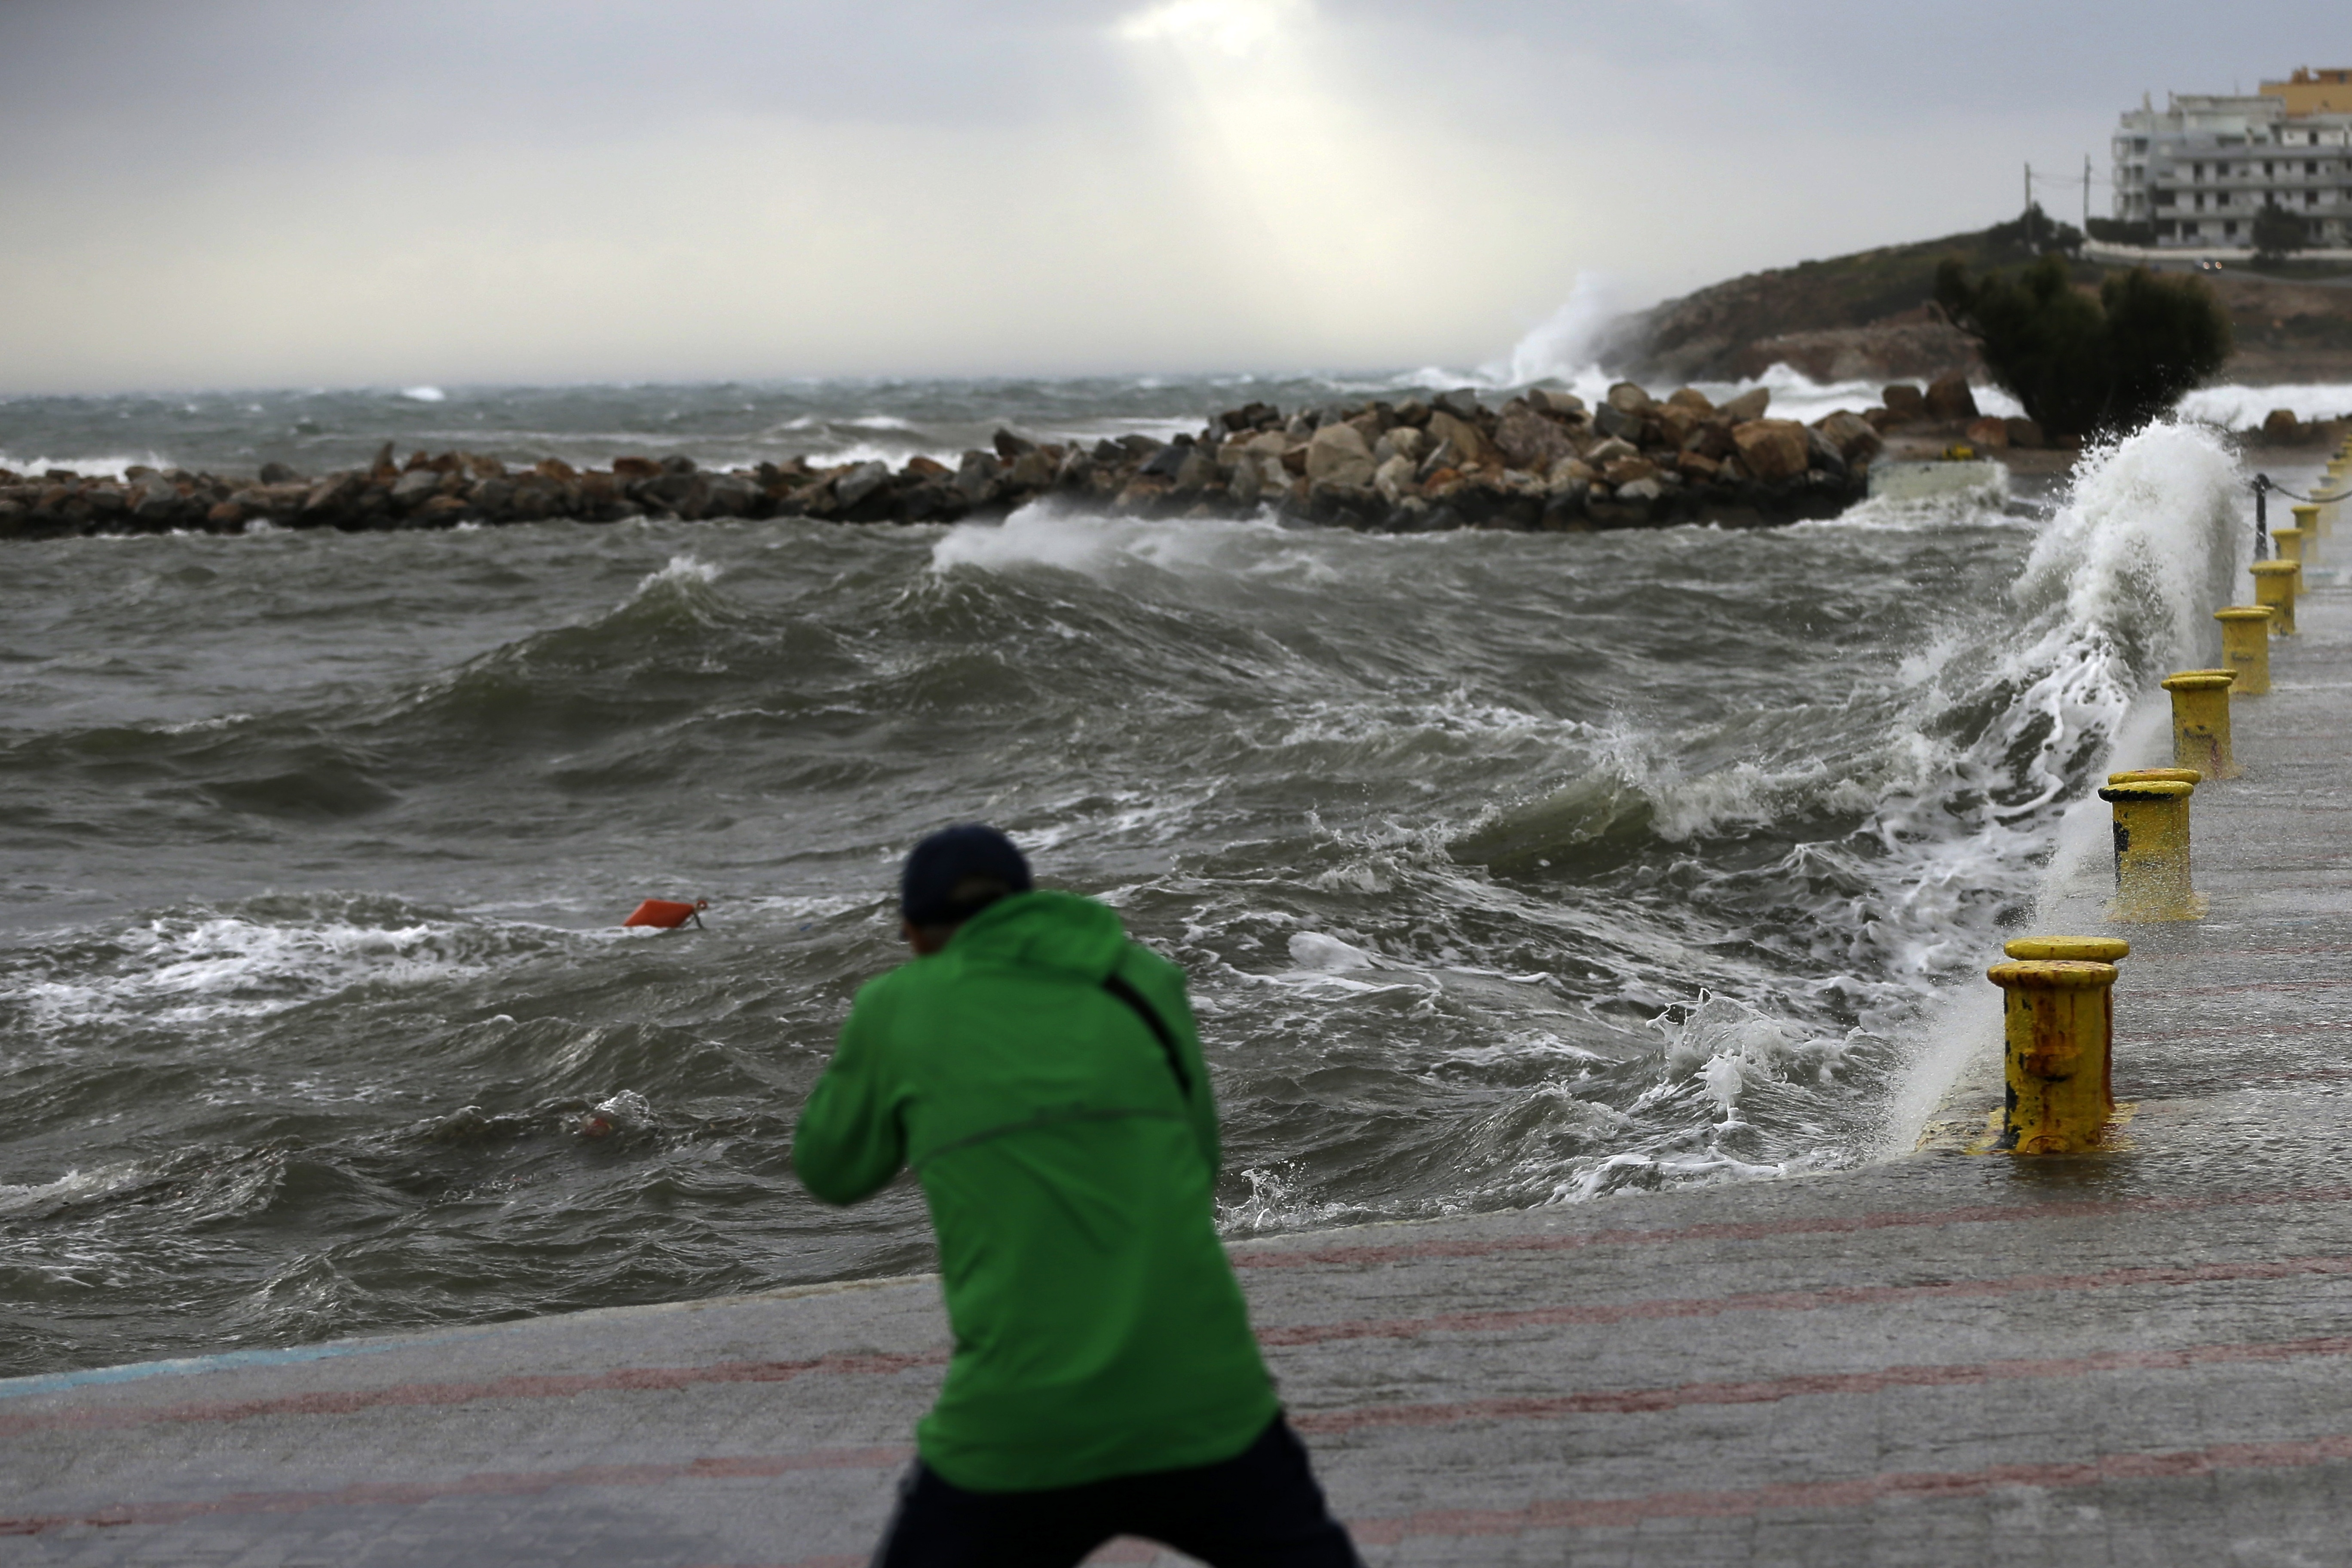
column 1259, row 1509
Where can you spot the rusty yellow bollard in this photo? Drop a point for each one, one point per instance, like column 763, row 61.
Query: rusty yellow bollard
column 2146, row 775
column 2057, row 1016
column 2151, row 827
column 2289, row 542
column 2275, row 585
column 2200, row 721
column 2080, row 949
column 2086, row 949
column 2306, row 523
column 2246, row 647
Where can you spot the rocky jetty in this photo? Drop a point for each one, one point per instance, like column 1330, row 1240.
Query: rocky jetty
column 1542, row 460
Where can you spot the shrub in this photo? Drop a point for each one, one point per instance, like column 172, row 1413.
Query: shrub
column 2083, row 366
column 2276, row 232
column 2116, row 231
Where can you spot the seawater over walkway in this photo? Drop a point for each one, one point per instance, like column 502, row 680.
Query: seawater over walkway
column 2139, row 1356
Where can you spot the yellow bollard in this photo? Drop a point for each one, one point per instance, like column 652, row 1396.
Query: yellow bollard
column 2274, row 584
column 2246, row 647
column 2143, row 775
column 2306, row 523
column 2086, row 949
column 2290, row 543
column 2152, row 882
column 2079, row 949
column 2057, row 1016
column 2200, row 721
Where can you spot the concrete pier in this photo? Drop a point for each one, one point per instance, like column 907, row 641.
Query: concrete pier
column 2140, row 1355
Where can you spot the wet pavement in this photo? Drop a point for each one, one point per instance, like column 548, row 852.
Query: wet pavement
column 2143, row 1355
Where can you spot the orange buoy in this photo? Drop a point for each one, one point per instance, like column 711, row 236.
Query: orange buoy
column 666, row 914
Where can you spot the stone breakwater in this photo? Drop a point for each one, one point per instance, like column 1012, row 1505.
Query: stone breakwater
column 1542, row 460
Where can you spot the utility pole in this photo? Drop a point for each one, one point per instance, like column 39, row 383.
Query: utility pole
column 2086, row 196
column 2029, row 207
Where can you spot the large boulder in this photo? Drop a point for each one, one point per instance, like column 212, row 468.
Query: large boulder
column 416, row 487
column 1631, row 399
column 1949, row 397
column 2025, row 433
column 1773, row 449
column 1032, row 471
column 1988, row 433
column 1529, row 440
column 1338, row 454
column 1197, row 472
column 1163, row 462
column 1904, row 401
column 1462, row 404
column 1749, row 404
column 860, row 482
column 1558, row 405
column 1851, row 435
column 1692, row 399
column 1393, row 478
column 2280, row 425
column 156, row 498
column 1618, row 424
column 1676, row 421
column 1713, row 438
column 980, row 477
column 1469, row 445
column 1571, row 472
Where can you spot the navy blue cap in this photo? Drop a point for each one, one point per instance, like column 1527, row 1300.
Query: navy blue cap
column 957, row 872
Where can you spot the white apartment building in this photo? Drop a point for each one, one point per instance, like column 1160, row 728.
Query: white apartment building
column 2201, row 168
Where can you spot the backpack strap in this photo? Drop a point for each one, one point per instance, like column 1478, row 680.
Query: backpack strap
column 1118, row 986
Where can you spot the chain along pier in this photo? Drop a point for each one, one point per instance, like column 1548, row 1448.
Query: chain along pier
column 2098, row 1316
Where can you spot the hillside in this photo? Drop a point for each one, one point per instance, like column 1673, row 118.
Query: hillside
column 1865, row 317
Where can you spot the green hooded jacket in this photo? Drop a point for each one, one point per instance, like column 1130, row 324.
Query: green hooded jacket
column 1099, row 1327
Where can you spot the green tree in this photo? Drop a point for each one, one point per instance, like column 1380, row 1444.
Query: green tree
column 2084, row 365
column 2277, row 231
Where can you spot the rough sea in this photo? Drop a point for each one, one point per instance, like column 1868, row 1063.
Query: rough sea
column 1508, row 869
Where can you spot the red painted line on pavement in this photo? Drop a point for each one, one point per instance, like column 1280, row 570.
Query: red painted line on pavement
column 377, row 1494
column 1860, row 1492
column 1792, row 1300
column 1766, row 1391
column 1537, row 1516
column 639, row 1379
column 1754, row 1230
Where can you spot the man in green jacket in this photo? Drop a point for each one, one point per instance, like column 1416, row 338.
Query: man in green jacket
column 1041, row 1074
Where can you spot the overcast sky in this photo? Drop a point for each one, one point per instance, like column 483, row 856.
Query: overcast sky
column 214, row 192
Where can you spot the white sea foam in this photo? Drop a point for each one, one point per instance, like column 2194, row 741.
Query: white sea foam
column 74, row 1187
column 112, row 466
column 1043, row 534
column 424, row 393
column 2244, row 407
column 1563, row 346
column 209, row 967
column 683, row 570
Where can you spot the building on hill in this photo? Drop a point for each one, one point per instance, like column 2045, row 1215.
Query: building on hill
column 2308, row 93
column 2195, row 173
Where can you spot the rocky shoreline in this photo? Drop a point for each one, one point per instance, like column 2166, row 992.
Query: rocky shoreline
column 1542, row 460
